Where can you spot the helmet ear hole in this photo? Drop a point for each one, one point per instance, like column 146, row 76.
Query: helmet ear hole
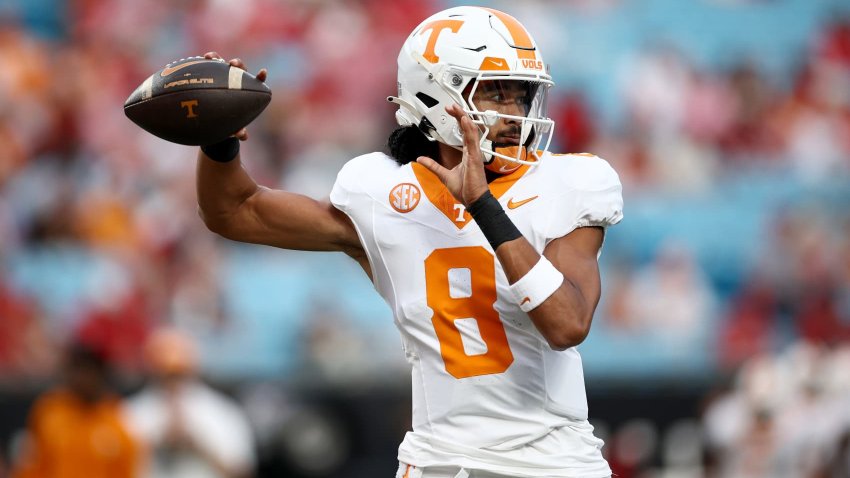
column 428, row 101
column 427, row 128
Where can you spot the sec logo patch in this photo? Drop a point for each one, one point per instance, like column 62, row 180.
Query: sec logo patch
column 404, row 197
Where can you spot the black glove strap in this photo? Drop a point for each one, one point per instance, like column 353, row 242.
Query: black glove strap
column 492, row 220
column 223, row 151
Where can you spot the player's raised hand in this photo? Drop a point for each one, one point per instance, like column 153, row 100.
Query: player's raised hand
column 242, row 134
column 466, row 181
column 237, row 62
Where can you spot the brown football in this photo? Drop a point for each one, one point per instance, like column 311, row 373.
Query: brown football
column 196, row 101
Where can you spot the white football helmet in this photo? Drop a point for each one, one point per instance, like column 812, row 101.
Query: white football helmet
column 445, row 60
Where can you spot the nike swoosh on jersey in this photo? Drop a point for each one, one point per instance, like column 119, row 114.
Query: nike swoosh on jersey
column 171, row 69
column 514, row 205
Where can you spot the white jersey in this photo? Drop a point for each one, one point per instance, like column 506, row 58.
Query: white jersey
column 485, row 382
column 214, row 422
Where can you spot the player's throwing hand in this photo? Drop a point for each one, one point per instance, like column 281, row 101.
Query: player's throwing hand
column 242, row 134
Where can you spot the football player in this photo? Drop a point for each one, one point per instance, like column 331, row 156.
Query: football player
column 483, row 243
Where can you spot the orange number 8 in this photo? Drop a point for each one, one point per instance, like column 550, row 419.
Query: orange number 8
column 476, row 303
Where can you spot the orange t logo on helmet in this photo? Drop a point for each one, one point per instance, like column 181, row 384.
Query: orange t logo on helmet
column 522, row 41
column 437, row 27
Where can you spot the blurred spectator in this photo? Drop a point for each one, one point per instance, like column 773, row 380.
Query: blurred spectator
column 816, row 122
column 670, row 297
column 676, row 118
column 190, row 430
column 786, row 417
column 749, row 329
column 656, row 86
column 335, row 350
column 752, row 100
column 575, row 129
column 78, row 429
column 632, row 448
column 25, row 346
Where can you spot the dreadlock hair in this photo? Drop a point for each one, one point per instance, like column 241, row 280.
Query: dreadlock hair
column 407, row 143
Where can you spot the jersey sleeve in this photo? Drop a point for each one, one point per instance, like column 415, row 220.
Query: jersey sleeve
column 343, row 189
column 592, row 196
column 356, row 186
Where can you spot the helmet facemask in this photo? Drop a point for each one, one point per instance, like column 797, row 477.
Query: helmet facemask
column 533, row 129
column 520, row 103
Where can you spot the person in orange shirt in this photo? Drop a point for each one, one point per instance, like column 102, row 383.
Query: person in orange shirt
column 77, row 430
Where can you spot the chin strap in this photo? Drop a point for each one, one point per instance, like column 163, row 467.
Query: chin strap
column 487, row 145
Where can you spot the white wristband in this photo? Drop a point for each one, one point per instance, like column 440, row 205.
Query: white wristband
column 537, row 285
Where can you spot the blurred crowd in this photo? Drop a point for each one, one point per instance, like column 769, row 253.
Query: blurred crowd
column 100, row 243
column 176, row 426
column 83, row 185
column 786, row 416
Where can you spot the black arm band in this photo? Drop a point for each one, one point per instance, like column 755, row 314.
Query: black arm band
column 223, row 151
column 494, row 223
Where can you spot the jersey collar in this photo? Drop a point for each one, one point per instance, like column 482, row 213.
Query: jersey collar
column 443, row 200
